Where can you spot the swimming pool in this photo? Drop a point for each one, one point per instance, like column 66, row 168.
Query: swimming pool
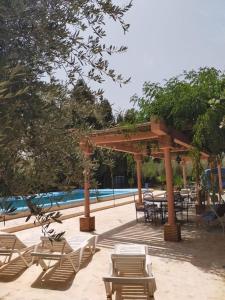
column 67, row 198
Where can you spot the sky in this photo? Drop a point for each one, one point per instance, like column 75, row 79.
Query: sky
column 165, row 38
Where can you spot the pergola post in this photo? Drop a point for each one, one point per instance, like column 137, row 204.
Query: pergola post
column 172, row 230
column 87, row 223
column 86, row 191
column 212, row 180
column 138, row 159
column 183, row 164
column 220, row 179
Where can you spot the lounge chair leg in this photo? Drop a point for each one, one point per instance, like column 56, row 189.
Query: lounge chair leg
column 23, row 259
column 43, row 265
column 72, row 264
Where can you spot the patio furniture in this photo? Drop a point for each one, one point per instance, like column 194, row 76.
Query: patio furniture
column 178, row 203
column 148, row 195
column 130, row 249
column 10, row 244
column 214, row 216
column 139, row 208
column 130, row 273
column 131, row 258
column 181, row 204
column 130, row 287
column 60, row 250
column 157, row 208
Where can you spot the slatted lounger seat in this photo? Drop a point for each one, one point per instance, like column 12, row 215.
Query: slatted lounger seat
column 71, row 250
column 130, row 274
column 130, row 288
column 10, row 244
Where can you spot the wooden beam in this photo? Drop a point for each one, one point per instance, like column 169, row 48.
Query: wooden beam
column 188, row 146
column 169, row 186
column 173, row 150
column 121, row 148
column 118, row 138
column 138, row 159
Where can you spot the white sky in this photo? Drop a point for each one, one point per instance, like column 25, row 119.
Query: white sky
column 165, row 38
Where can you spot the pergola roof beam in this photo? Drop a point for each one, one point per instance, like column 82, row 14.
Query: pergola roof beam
column 118, row 138
column 121, row 148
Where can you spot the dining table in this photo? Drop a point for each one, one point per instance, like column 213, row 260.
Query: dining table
column 161, row 202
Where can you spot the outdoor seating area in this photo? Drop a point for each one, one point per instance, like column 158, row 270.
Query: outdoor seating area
column 55, row 252
column 112, row 150
column 198, row 259
column 155, row 209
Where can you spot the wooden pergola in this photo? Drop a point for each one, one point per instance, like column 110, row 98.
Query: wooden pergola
column 154, row 139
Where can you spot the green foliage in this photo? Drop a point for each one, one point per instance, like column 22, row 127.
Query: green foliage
column 178, row 181
column 37, row 152
column 56, row 34
column 150, row 169
column 208, row 132
column 181, row 99
column 131, row 182
column 192, row 102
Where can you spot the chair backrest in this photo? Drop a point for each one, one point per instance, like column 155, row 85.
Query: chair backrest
column 139, row 207
column 148, row 196
column 60, row 246
column 127, row 264
column 220, row 209
column 177, row 197
column 10, row 241
column 185, row 191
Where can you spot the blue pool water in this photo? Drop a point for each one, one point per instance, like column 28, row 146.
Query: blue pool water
column 66, row 198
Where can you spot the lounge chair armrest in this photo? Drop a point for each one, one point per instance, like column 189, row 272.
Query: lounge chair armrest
column 127, row 280
column 148, row 265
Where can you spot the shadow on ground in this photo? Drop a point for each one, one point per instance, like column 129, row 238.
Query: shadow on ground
column 14, row 269
column 199, row 247
column 56, row 278
column 61, row 277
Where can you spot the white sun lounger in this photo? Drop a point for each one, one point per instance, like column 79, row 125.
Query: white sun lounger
column 130, row 273
column 10, row 244
column 71, row 250
column 130, row 287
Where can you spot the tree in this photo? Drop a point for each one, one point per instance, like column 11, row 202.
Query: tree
column 87, row 110
column 37, row 153
column 83, row 106
column 37, row 38
column 60, row 34
column 182, row 99
column 193, row 103
column 104, row 110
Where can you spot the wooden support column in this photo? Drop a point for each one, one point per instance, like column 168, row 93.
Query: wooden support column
column 87, row 223
column 220, row 179
column 86, row 191
column 169, row 186
column 172, row 231
column 183, row 164
column 138, row 159
column 212, row 180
